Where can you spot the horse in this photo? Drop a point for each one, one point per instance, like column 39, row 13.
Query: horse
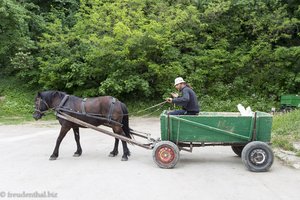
column 103, row 110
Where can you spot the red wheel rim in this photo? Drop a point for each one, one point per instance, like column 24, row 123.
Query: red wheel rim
column 165, row 154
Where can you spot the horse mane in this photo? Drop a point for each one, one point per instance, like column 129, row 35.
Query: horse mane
column 49, row 95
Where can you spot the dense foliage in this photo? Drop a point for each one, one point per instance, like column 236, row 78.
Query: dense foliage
column 226, row 49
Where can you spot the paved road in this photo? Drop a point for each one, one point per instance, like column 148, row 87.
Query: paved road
column 207, row 173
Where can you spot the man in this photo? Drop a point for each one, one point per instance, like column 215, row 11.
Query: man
column 188, row 100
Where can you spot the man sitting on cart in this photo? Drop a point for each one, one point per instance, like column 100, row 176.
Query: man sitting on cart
column 188, row 100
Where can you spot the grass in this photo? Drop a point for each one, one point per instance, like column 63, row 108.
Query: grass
column 16, row 102
column 286, row 130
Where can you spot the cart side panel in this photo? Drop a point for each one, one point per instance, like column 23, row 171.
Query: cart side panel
column 164, row 126
column 290, row 100
column 263, row 127
column 207, row 127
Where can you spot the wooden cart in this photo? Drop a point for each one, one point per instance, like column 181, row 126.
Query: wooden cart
column 249, row 136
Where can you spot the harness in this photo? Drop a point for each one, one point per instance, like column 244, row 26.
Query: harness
column 62, row 107
column 40, row 100
column 111, row 109
column 83, row 106
column 107, row 118
column 63, row 101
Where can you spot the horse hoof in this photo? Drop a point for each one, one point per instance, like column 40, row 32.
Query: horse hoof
column 124, row 159
column 112, row 154
column 52, row 158
column 76, row 155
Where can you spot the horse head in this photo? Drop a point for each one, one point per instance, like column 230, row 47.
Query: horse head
column 46, row 100
column 41, row 106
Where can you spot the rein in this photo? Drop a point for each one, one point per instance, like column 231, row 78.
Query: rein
column 156, row 105
column 162, row 103
column 40, row 100
column 60, row 107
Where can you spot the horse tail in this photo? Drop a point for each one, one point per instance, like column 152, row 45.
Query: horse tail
column 125, row 120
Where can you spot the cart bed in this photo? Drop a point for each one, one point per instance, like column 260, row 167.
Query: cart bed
column 216, row 127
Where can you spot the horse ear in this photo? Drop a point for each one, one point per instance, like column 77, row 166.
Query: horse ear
column 39, row 94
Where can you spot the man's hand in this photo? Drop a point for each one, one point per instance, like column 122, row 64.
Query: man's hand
column 169, row 100
column 174, row 95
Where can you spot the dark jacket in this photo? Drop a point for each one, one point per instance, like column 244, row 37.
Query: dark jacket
column 188, row 100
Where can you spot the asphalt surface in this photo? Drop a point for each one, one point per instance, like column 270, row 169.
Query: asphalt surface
column 207, row 173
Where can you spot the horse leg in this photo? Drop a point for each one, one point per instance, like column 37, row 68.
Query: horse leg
column 62, row 134
column 77, row 139
column 126, row 151
column 115, row 150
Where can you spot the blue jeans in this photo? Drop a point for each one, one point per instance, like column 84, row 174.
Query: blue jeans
column 177, row 112
column 182, row 112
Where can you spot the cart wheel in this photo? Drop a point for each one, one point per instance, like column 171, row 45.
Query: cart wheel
column 165, row 154
column 238, row 149
column 257, row 156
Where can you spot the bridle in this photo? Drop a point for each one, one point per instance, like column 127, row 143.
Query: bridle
column 38, row 109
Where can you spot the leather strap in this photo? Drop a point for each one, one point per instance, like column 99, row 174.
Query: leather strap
column 63, row 101
column 111, row 109
column 83, row 106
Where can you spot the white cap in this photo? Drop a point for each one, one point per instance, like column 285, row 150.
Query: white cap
column 179, row 80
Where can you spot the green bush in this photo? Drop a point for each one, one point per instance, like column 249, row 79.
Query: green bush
column 228, row 50
column 209, row 103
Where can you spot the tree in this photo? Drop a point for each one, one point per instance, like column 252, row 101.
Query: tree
column 227, row 49
column 14, row 31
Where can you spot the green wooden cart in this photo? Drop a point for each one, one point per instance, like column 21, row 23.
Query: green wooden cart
column 289, row 102
column 249, row 137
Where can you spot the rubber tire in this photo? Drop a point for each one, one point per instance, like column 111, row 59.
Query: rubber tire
column 238, row 150
column 260, row 150
column 170, row 150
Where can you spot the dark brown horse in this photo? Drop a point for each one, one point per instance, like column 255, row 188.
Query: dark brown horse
column 97, row 111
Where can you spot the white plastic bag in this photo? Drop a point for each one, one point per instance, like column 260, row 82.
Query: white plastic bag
column 243, row 111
